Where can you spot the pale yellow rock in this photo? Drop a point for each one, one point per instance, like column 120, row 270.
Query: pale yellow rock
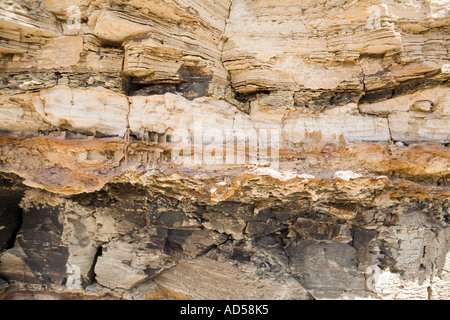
column 378, row 41
column 65, row 8
column 410, row 127
column 294, row 126
column 28, row 20
column 320, row 128
column 60, row 53
column 318, row 35
column 10, row 42
column 152, row 60
column 176, row 115
column 93, row 110
column 115, row 26
column 18, row 115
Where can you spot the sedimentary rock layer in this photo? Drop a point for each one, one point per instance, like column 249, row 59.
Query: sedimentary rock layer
column 224, row 149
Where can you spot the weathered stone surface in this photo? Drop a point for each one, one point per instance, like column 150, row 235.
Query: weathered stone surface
column 408, row 126
column 84, row 111
column 3, row 285
column 203, row 149
column 298, row 246
column 38, row 245
column 196, row 274
column 28, row 18
column 326, row 270
column 331, row 45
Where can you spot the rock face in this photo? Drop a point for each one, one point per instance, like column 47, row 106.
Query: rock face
column 225, row 149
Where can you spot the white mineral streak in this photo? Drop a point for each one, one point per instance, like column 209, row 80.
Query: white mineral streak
column 277, row 174
column 346, row 175
column 106, row 112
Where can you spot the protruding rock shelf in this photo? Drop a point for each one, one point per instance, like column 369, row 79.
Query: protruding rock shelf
column 237, row 149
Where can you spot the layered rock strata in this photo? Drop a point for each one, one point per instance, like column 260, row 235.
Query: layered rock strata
column 224, row 149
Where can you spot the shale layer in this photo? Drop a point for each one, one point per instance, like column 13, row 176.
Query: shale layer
column 232, row 149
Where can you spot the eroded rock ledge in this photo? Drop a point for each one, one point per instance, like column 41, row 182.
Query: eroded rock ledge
column 224, row 149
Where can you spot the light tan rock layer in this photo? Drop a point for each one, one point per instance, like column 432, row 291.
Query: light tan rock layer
column 298, row 148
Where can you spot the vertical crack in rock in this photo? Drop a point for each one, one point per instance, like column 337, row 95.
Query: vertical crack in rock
column 210, row 149
column 11, row 214
column 12, row 239
column 91, row 273
column 223, row 38
column 127, row 133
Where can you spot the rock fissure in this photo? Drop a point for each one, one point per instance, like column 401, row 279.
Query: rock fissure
column 224, row 149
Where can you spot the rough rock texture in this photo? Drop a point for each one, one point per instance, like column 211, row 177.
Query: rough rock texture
column 231, row 149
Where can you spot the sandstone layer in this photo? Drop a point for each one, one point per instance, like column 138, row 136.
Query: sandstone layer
column 230, row 149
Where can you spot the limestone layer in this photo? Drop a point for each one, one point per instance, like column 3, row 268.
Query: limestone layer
column 235, row 149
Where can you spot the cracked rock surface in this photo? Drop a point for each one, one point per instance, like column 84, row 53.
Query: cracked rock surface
column 237, row 149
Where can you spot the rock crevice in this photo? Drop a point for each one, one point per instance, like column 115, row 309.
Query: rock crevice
column 208, row 149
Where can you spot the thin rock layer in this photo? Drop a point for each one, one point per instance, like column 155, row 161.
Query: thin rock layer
column 224, row 149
